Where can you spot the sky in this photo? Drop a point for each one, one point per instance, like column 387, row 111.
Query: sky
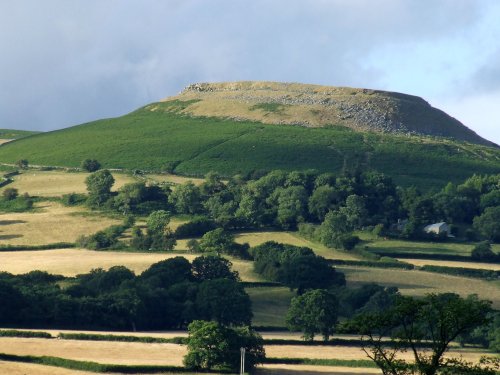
column 67, row 62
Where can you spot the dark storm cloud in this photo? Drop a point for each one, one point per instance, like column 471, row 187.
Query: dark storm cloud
column 65, row 62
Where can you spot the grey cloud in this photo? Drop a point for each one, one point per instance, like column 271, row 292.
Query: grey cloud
column 68, row 62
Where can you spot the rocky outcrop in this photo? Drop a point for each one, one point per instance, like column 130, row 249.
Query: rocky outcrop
column 316, row 106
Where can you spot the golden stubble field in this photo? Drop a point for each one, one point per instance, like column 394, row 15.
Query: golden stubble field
column 71, row 262
column 50, row 223
column 131, row 353
column 57, row 183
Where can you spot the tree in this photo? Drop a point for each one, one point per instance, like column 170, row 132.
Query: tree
column 211, row 345
column 333, row 227
column 425, row 327
column 186, row 198
column 224, row 301
column 217, row 240
column 22, row 163
column 157, row 222
column 323, row 199
column 90, row 165
column 210, row 267
column 99, row 187
column 10, row 194
column 483, row 252
column 488, row 224
column 309, row 272
column 313, row 312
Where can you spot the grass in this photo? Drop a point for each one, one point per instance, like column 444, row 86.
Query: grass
column 51, row 223
column 152, row 138
column 15, row 134
column 58, row 183
column 419, row 283
column 291, row 238
column 475, row 265
column 269, row 305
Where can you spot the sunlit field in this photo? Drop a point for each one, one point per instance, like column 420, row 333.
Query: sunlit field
column 57, row 183
column 50, row 223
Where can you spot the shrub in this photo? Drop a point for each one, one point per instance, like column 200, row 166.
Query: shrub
column 10, row 194
column 195, row 228
column 91, row 165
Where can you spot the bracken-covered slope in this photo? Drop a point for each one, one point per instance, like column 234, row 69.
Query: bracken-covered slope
column 167, row 136
column 316, row 106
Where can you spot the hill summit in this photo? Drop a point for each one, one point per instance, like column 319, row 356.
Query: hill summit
column 319, row 106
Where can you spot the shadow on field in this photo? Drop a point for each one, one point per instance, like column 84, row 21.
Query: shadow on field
column 9, row 236
column 10, row 222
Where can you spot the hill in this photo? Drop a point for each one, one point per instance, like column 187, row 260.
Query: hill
column 7, row 135
column 165, row 137
column 319, row 106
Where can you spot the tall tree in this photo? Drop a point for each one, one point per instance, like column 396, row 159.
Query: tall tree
column 313, row 312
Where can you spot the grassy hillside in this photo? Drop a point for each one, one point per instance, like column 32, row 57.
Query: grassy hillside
column 162, row 139
column 15, row 134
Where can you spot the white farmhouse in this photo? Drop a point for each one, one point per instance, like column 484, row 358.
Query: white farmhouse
column 438, row 228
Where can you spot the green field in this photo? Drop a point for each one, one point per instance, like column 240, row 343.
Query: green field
column 160, row 140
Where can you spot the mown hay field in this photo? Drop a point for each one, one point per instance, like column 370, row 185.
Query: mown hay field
column 257, row 238
column 134, row 353
column 313, row 370
column 50, row 223
column 126, row 353
column 71, row 262
column 174, row 179
column 446, row 263
column 58, row 183
column 350, row 352
column 18, row 368
column 419, row 283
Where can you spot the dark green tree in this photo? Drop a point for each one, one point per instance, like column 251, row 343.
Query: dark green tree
column 224, row 301
column 99, row 187
column 313, row 312
column 488, row 224
column 217, row 241
column 10, row 194
column 90, row 165
column 186, row 198
column 213, row 346
column 210, row 267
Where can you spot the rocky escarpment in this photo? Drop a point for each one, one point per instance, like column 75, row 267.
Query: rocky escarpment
column 317, row 106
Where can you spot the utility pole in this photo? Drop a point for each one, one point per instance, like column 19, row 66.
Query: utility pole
column 242, row 361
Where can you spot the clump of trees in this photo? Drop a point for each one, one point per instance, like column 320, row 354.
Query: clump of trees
column 11, row 201
column 297, row 267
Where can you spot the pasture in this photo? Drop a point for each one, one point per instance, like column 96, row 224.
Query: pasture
column 291, row 238
column 445, row 263
column 50, row 223
column 57, row 183
column 419, row 283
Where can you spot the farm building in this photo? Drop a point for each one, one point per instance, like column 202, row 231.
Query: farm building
column 438, row 228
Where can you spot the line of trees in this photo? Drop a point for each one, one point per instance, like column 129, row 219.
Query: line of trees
column 326, row 206
column 168, row 295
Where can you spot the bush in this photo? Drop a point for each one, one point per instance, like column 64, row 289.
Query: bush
column 91, row 165
column 73, row 199
column 195, row 228
column 348, row 241
column 10, row 194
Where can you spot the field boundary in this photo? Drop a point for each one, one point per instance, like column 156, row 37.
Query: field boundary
column 99, row 367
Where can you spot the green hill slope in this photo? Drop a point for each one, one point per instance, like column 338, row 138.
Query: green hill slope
column 158, row 137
